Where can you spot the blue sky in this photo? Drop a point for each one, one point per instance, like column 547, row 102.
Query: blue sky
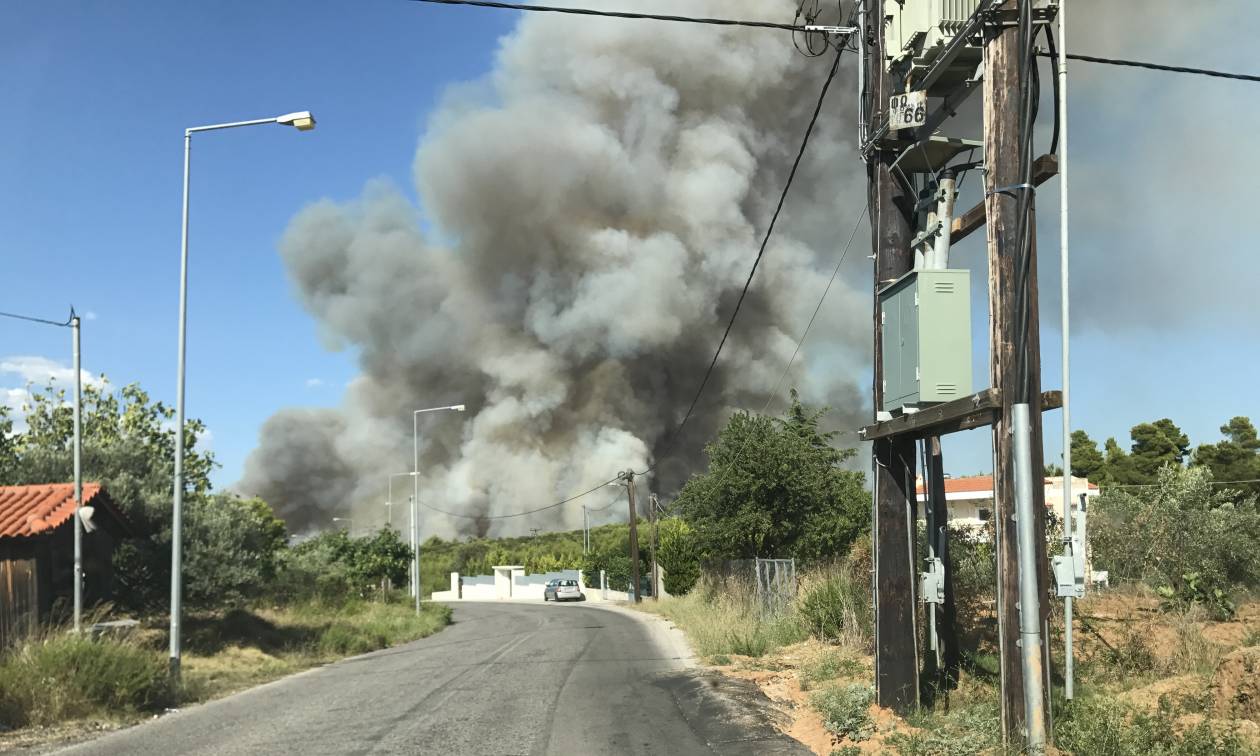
column 97, row 96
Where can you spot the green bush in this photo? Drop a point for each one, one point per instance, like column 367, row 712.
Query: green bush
column 827, row 666
column 836, row 605
column 679, row 554
column 1191, row 542
column 1108, row 728
column 749, row 641
column 846, row 710
column 333, row 567
column 66, row 676
column 961, row 732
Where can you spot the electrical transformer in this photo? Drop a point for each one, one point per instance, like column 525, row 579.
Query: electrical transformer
column 916, row 31
column 925, row 321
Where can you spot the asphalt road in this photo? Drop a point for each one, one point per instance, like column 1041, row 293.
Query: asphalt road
column 520, row 679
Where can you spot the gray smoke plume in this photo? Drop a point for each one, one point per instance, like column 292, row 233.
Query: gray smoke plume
column 587, row 218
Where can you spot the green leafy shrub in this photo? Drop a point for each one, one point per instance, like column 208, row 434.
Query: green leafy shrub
column 835, row 605
column 679, row 555
column 846, row 710
column 1108, row 728
column 1191, row 542
column 333, row 567
column 960, row 732
column 749, row 641
column 66, row 676
column 827, row 666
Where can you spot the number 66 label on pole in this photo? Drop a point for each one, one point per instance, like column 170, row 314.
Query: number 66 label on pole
column 907, row 111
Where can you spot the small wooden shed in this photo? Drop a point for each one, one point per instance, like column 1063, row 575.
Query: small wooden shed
column 37, row 551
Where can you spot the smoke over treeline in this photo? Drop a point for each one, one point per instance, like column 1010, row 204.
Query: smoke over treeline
column 588, row 215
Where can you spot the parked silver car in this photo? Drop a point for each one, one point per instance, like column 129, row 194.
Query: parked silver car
column 561, row 589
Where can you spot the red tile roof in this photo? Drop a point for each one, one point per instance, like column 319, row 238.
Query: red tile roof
column 34, row 510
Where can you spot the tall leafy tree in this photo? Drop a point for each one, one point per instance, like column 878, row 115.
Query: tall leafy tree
column 1237, row 457
column 1087, row 461
column 1158, row 444
column 128, row 443
column 775, row 488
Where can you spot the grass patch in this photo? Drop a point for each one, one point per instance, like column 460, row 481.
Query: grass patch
column 845, row 710
column 1106, row 728
column 242, row 648
column 61, row 676
column 827, row 666
column 963, row 731
column 717, row 624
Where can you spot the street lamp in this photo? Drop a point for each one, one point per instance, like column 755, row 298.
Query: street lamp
column 415, row 495
column 349, row 526
column 302, row 121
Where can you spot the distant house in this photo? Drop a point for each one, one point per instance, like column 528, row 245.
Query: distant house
column 970, row 499
column 37, row 551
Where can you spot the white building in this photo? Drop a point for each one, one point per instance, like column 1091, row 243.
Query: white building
column 970, row 499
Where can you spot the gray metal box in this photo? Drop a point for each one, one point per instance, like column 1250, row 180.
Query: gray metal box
column 926, row 323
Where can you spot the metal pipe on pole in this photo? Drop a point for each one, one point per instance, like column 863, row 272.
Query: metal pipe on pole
column 1029, row 601
column 78, row 472
column 1069, row 665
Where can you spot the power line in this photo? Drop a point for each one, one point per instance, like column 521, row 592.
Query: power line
column 1156, row 485
column 1158, row 67
column 620, row 14
column 799, row 342
column 39, row 320
column 560, row 503
column 800, row 153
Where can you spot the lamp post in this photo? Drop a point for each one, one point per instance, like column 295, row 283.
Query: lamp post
column 415, row 495
column 349, row 525
column 302, row 121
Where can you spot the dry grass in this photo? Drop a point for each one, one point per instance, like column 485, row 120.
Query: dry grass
column 60, row 677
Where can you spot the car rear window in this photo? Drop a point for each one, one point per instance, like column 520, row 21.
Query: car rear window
column 568, row 582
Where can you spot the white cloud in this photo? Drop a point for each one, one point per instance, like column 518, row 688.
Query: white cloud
column 36, row 371
column 89, row 315
column 314, row 382
column 41, row 371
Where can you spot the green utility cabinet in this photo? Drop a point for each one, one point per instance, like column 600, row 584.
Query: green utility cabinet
column 926, row 322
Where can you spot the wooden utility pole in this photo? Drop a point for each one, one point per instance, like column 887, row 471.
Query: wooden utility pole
column 896, row 649
column 1002, row 144
column 634, row 534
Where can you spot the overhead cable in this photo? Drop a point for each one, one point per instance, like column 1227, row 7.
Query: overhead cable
column 560, row 503
column 620, row 14
column 1158, row 67
column 30, row 319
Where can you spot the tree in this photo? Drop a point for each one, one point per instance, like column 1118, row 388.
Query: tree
column 1087, row 461
column 1158, row 444
column 230, row 549
column 128, row 444
column 775, row 488
column 1235, row 458
column 1119, row 467
column 678, row 554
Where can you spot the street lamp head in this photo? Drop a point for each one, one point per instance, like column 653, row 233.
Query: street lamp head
column 458, row 408
column 301, row 120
